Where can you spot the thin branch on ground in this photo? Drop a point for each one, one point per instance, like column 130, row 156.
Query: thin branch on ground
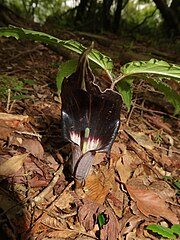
column 40, row 197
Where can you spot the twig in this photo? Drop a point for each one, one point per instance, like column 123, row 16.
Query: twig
column 9, row 106
column 155, row 111
column 48, row 189
column 130, row 114
column 12, row 104
column 24, row 52
column 8, row 100
column 30, row 134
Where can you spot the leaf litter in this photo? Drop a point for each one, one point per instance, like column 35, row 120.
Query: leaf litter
column 38, row 197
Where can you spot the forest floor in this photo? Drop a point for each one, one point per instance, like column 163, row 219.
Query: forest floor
column 138, row 186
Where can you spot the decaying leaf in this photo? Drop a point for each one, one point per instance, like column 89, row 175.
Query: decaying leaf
column 62, row 234
column 126, row 163
column 12, row 165
column 88, row 214
column 65, row 201
column 53, row 222
column 116, row 200
column 34, row 147
column 111, row 229
column 5, row 132
column 98, row 186
column 149, row 202
column 130, row 224
column 13, row 119
column 142, row 139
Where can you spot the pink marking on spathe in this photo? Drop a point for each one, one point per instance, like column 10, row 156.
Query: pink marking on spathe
column 92, row 144
column 88, row 144
column 75, row 137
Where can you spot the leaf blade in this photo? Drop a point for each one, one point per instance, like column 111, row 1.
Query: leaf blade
column 65, row 69
column 124, row 87
column 20, row 33
column 163, row 231
column 171, row 95
column 153, row 66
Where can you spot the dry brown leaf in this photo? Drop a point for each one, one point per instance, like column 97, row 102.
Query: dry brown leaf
column 12, row 120
column 127, row 163
column 142, row 139
column 97, row 186
column 163, row 189
column 99, row 157
column 35, row 182
column 115, row 151
column 65, row 201
column 62, row 234
column 149, row 202
column 87, row 214
column 138, row 150
column 5, row 132
column 53, row 222
column 34, row 147
column 124, row 169
column 13, row 117
column 131, row 223
column 12, row 165
column 111, row 229
column 115, row 200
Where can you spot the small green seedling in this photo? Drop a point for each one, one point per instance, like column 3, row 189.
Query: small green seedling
column 101, row 220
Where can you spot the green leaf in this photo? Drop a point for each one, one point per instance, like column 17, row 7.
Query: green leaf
column 176, row 228
column 163, row 231
column 101, row 220
column 153, row 66
column 65, row 69
column 124, row 87
column 21, row 33
column 171, row 95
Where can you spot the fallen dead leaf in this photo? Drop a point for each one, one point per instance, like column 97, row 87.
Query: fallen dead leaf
column 98, row 186
column 13, row 117
column 111, row 229
column 142, row 139
column 115, row 200
column 88, row 214
column 65, row 201
column 127, row 163
column 12, row 165
column 53, row 222
column 5, row 132
column 149, row 202
column 13, row 121
column 131, row 223
column 62, row 234
column 34, row 147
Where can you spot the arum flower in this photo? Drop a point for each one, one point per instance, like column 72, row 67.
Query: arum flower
column 90, row 117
